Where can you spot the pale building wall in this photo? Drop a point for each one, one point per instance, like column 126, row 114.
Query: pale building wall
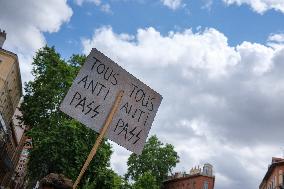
column 10, row 85
column 10, row 93
column 18, row 127
column 6, row 64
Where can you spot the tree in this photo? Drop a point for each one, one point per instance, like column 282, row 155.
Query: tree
column 146, row 180
column 156, row 160
column 107, row 179
column 60, row 144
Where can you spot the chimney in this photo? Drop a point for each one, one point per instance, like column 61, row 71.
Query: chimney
column 2, row 38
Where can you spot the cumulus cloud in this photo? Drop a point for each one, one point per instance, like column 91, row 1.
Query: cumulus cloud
column 106, row 8
column 260, row 6
column 276, row 40
column 222, row 104
column 172, row 4
column 25, row 26
column 80, row 2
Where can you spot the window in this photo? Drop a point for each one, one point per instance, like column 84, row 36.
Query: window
column 2, row 123
column 205, row 185
column 280, row 177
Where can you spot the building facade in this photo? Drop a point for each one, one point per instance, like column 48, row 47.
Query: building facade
column 10, row 94
column 274, row 176
column 196, row 179
column 19, row 177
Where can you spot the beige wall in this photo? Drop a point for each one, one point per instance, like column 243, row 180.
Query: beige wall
column 10, row 85
column 10, row 93
column 6, row 109
column 7, row 62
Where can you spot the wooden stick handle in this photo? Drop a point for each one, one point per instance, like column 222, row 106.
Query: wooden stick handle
column 101, row 136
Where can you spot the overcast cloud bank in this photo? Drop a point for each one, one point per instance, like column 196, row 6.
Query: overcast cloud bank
column 26, row 21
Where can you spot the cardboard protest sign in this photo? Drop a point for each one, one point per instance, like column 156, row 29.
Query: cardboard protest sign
column 93, row 92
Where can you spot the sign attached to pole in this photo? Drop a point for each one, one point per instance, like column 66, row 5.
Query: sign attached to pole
column 93, row 92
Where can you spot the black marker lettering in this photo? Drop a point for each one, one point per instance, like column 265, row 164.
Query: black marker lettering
column 118, row 124
column 146, row 119
column 89, row 106
column 152, row 106
column 76, row 96
column 115, row 79
column 132, row 134
column 96, row 60
column 135, row 87
column 102, row 86
column 145, row 104
column 133, row 115
column 138, row 138
column 82, row 104
column 104, row 67
column 142, row 95
column 130, row 109
column 125, row 106
column 106, row 94
column 84, row 79
column 106, row 75
column 141, row 112
column 95, row 111
column 92, row 85
column 125, row 130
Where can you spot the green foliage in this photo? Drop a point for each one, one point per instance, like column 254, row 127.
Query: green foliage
column 145, row 181
column 107, row 179
column 60, row 144
column 156, row 160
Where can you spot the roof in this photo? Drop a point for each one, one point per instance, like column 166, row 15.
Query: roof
column 275, row 162
column 9, row 52
column 187, row 177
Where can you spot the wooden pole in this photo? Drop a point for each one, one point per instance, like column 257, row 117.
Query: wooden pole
column 101, row 136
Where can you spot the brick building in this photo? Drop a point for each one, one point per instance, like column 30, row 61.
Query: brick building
column 10, row 94
column 274, row 176
column 196, row 179
column 19, row 177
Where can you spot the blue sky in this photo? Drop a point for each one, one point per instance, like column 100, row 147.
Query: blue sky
column 238, row 23
column 217, row 63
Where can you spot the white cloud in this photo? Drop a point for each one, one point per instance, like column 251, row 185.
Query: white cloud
column 25, row 26
column 207, row 4
column 260, row 6
column 80, row 2
column 279, row 38
column 222, row 104
column 214, row 59
column 172, row 4
column 276, row 40
column 106, row 8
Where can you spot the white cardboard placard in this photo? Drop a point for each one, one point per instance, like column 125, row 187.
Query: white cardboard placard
column 93, row 92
